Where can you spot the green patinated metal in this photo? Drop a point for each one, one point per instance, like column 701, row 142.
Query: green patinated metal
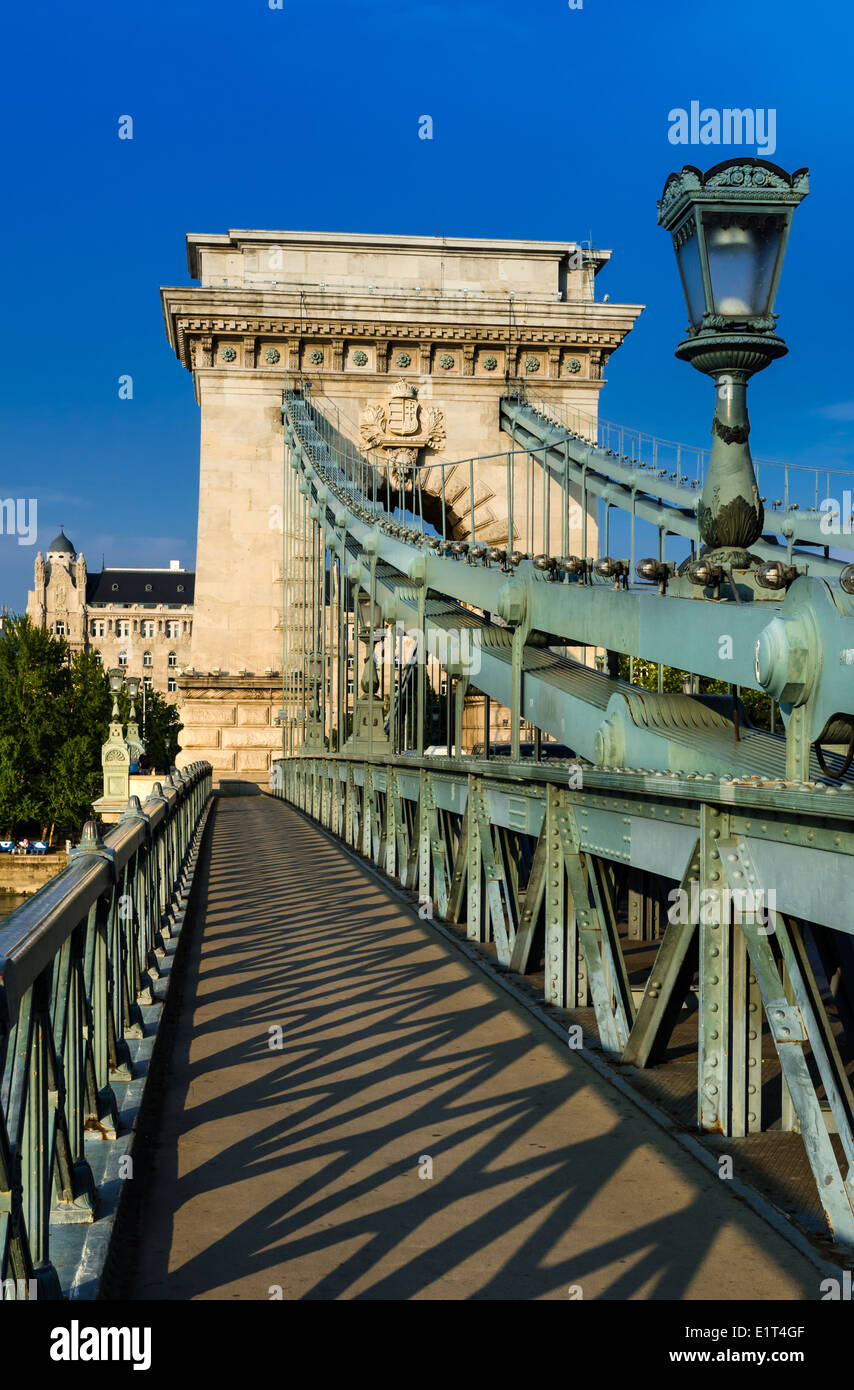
column 465, row 863
column 725, row 223
column 76, row 965
column 669, row 799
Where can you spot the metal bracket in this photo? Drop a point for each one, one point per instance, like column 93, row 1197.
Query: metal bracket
column 785, row 1022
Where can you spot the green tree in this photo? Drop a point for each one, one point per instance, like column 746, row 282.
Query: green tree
column 35, row 680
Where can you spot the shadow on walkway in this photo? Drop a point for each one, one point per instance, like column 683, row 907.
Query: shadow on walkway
column 300, row 1168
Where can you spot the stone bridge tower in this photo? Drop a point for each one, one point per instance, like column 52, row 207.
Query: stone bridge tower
column 409, row 343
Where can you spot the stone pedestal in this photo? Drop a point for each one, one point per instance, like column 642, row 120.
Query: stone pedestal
column 230, row 722
column 115, row 764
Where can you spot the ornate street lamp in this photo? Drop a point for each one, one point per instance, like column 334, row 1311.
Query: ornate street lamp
column 729, row 229
column 115, row 755
column 132, row 684
column 116, row 677
column 314, row 668
column 133, row 740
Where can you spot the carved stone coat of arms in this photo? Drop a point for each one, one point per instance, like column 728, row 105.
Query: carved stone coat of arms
column 401, row 427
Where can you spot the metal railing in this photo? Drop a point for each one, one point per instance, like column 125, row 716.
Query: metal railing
column 439, row 498
column 794, row 486
column 549, row 492
column 77, row 962
column 616, row 939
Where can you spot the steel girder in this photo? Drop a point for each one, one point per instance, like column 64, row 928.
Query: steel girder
column 805, row 641
column 540, row 870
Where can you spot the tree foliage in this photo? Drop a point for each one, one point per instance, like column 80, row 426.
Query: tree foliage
column 52, row 722
column 54, row 717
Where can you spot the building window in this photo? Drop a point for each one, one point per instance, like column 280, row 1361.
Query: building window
column 60, row 629
column 97, row 656
column 123, row 658
column 123, row 627
column 173, row 660
column 147, row 627
column 173, row 628
column 147, row 659
column 148, row 682
column 171, row 685
column 97, row 629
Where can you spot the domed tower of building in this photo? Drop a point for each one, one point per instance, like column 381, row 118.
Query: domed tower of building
column 140, row 620
column 58, row 600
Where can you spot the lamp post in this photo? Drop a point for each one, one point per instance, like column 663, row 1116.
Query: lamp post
column 135, row 744
column 729, row 229
column 368, row 724
column 314, row 668
column 115, row 757
column 116, row 678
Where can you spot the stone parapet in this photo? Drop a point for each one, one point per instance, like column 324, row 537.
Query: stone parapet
column 230, row 722
column 23, row 874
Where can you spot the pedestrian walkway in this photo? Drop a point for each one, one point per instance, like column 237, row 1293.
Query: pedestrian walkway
column 418, row 1134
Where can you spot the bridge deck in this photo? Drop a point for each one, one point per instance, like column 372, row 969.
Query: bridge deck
column 299, row 1167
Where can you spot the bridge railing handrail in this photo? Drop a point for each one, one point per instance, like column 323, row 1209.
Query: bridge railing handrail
column 631, row 445
column 76, row 965
column 532, row 501
column 32, row 935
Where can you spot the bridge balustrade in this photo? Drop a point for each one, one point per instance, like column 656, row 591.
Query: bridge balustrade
column 77, row 966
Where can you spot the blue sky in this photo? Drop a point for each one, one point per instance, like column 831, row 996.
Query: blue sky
column 549, row 122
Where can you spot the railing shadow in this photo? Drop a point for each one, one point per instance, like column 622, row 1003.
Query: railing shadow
column 298, row 1168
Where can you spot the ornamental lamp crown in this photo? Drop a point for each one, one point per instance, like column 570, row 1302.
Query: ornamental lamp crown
column 729, row 228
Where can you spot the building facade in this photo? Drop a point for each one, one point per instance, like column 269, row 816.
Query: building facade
column 137, row 619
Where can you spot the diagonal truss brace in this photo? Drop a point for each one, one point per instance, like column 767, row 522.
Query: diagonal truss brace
column 597, row 931
column 794, row 1024
column 669, row 980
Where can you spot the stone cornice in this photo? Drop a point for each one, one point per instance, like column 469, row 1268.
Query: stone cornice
column 426, row 319
column 191, row 683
